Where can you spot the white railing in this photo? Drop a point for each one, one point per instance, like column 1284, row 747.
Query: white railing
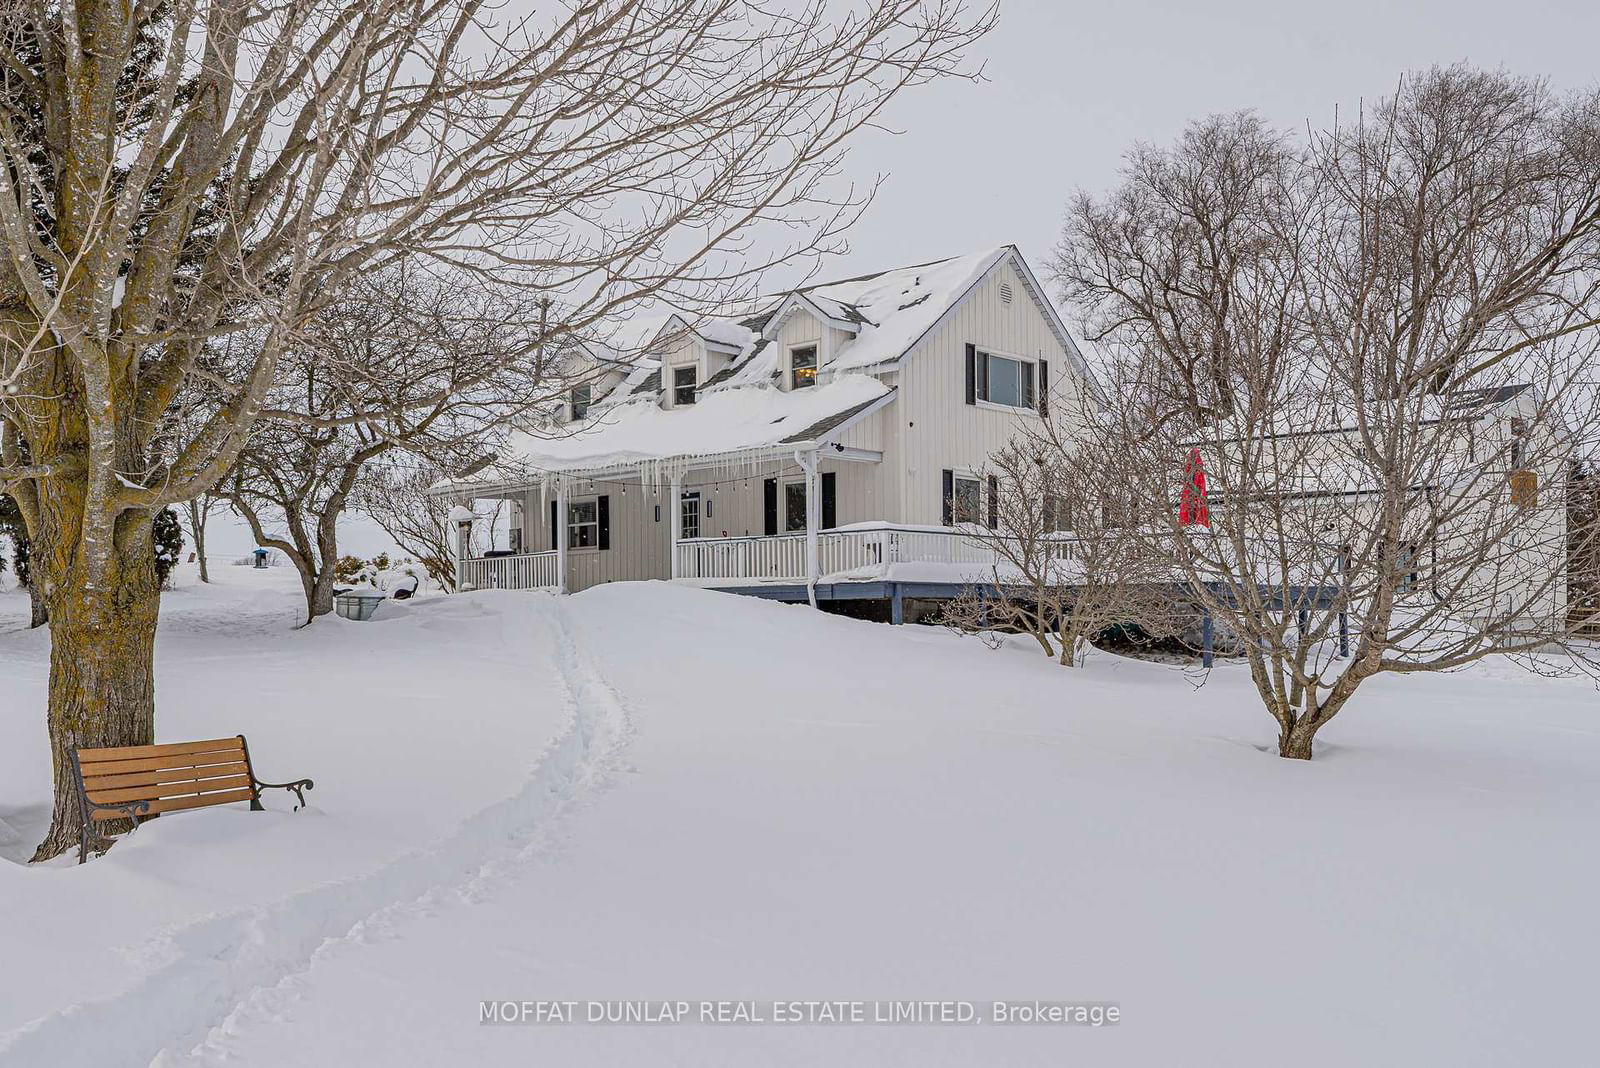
column 780, row 557
column 863, row 552
column 525, row 571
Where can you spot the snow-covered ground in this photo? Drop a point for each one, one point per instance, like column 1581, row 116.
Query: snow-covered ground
column 649, row 792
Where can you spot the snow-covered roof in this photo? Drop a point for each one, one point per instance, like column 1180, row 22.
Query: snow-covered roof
column 886, row 313
column 638, row 432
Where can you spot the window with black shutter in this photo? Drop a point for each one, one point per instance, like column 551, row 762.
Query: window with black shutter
column 962, row 499
column 583, row 523
column 769, row 507
column 830, row 502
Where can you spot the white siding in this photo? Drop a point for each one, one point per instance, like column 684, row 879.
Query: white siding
column 938, row 430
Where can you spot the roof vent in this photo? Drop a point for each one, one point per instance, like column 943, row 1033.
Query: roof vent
column 1005, row 292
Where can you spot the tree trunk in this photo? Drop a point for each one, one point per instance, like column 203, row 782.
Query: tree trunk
column 197, row 520
column 39, row 612
column 102, row 645
column 321, row 598
column 1294, row 743
column 1069, row 649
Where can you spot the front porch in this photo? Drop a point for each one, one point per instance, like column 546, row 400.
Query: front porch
column 937, row 560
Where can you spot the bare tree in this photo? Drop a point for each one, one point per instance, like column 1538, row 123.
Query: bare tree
column 1583, row 549
column 1067, row 567
column 396, row 495
column 435, row 368
column 198, row 511
column 1405, row 314
column 178, row 172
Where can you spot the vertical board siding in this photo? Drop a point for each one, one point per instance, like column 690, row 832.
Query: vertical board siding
column 938, row 429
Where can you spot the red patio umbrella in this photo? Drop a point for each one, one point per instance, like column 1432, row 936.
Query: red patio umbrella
column 1192, row 506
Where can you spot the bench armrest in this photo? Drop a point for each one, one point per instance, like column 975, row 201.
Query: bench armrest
column 131, row 809
column 299, row 786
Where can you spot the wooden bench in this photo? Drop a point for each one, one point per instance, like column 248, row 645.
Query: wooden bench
column 139, row 781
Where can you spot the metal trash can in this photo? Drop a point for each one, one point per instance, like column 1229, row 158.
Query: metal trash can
column 358, row 604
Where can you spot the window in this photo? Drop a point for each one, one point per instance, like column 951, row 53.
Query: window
column 794, row 506
column 1010, row 382
column 1057, row 513
column 803, row 367
column 1006, row 381
column 683, row 383
column 583, row 524
column 580, row 401
column 965, row 499
column 1408, row 567
column 689, row 509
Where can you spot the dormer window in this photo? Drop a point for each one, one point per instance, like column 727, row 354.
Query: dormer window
column 803, row 367
column 579, row 397
column 683, row 383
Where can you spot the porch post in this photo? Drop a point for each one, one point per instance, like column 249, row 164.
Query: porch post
column 454, row 530
column 458, row 528
column 561, row 533
column 675, row 510
column 1205, row 641
column 808, row 462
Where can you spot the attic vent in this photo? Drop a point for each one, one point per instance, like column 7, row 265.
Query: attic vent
column 1005, row 292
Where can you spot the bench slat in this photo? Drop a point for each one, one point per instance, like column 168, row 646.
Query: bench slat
column 130, row 752
column 171, row 789
column 171, row 804
column 180, row 760
column 92, row 782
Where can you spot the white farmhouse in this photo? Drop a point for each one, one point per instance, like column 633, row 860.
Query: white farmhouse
column 829, row 444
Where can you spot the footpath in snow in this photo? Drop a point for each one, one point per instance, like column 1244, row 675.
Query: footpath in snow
column 754, row 802
column 434, row 732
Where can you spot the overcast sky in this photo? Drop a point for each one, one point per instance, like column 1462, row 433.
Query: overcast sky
column 1071, row 85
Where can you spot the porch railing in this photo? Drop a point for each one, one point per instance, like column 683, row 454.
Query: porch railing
column 867, row 551
column 524, row 571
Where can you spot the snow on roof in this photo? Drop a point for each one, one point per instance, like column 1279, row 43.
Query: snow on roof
column 639, row 432
column 890, row 311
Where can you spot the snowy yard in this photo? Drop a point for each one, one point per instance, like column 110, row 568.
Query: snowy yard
column 650, row 792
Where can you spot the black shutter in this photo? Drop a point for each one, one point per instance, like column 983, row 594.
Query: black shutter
column 983, row 376
column 1029, row 398
column 603, row 513
column 994, row 502
column 1044, row 388
column 769, row 505
column 554, row 530
column 972, row 375
column 830, row 505
column 949, row 495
